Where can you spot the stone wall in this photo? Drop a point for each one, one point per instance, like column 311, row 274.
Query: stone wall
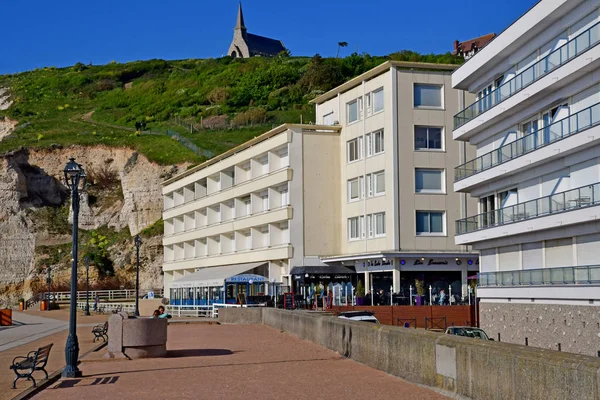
column 576, row 328
column 468, row 367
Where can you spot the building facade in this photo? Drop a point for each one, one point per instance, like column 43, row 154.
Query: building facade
column 397, row 206
column 536, row 176
column 244, row 211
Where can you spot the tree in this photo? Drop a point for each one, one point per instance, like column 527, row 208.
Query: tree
column 340, row 44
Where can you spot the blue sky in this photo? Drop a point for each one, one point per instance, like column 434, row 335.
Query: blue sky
column 40, row 33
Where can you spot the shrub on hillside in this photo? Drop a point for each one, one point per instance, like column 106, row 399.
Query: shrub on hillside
column 103, row 178
column 215, row 122
column 218, row 95
column 251, row 117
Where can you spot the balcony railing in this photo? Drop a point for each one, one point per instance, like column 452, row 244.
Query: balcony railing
column 583, row 275
column 557, row 58
column 584, row 196
column 559, row 130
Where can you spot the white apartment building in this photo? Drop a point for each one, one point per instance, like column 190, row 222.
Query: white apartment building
column 536, row 176
column 397, row 206
column 243, row 212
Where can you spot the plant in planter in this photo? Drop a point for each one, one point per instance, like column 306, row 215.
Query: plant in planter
column 420, row 286
column 360, row 294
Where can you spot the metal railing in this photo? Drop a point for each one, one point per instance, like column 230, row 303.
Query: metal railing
column 582, row 275
column 584, row 196
column 191, row 311
column 557, row 58
column 108, row 307
column 559, row 130
column 103, row 295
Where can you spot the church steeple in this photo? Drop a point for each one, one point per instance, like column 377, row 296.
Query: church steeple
column 240, row 19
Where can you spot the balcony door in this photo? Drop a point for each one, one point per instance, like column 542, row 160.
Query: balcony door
column 548, row 118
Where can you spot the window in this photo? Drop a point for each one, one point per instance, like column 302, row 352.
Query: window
column 376, row 184
column 428, row 95
column 328, row 119
column 429, row 180
column 428, row 138
column 285, row 198
column 377, row 100
column 430, row 222
column 376, row 225
column 354, row 192
column 355, row 228
column 352, row 111
column 354, row 149
column 374, row 143
column 378, row 142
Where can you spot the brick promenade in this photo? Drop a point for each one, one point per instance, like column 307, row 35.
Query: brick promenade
column 235, row 362
column 36, row 332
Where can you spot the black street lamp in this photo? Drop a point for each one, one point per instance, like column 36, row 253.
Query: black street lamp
column 75, row 179
column 138, row 243
column 48, row 270
column 87, row 285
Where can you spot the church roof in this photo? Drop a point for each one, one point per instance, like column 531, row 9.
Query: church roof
column 263, row 45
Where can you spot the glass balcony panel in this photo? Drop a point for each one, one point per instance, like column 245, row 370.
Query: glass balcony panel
column 594, row 34
column 530, row 209
column 507, row 279
column 594, row 274
column 546, row 278
column 584, row 120
column 492, row 280
column 595, row 114
column 526, row 277
column 556, row 275
column 568, row 275
column 557, row 202
column 581, row 274
column 537, row 277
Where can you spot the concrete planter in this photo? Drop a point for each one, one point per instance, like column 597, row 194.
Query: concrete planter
column 132, row 338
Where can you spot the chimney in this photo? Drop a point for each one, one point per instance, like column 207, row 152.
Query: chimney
column 455, row 46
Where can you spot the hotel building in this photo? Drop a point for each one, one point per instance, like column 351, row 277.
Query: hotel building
column 365, row 194
column 536, row 176
column 397, row 206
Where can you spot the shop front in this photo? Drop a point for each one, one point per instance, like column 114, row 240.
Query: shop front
column 310, row 280
column 437, row 280
column 224, row 284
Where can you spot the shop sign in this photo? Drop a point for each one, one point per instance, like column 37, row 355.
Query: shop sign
column 378, row 263
column 246, row 278
column 431, row 262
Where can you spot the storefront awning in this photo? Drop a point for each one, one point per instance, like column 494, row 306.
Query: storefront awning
column 322, row 272
column 213, row 276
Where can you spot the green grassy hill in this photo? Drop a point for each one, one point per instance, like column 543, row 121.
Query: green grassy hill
column 214, row 104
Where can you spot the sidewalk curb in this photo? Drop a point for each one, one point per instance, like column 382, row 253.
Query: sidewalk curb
column 52, row 378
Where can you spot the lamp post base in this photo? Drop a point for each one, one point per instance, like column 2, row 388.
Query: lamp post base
column 71, row 357
column 87, row 310
column 70, row 373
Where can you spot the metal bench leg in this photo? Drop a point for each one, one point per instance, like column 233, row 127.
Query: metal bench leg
column 45, row 372
column 33, row 379
column 15, row 382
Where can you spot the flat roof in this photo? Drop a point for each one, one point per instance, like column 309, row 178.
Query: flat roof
column 378, row 70
column 248, row 144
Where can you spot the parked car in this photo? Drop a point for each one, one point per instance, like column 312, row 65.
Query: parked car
column 468, row 331
column 365, row 316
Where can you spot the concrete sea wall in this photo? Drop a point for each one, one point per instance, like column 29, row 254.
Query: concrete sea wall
column 469, row 367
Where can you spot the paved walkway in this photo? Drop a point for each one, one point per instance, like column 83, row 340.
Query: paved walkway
column 30, row 331
column 28, row 328
column 235, row 362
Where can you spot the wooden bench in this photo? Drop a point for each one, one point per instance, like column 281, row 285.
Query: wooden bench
column 100, row 331
column 24, row 367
